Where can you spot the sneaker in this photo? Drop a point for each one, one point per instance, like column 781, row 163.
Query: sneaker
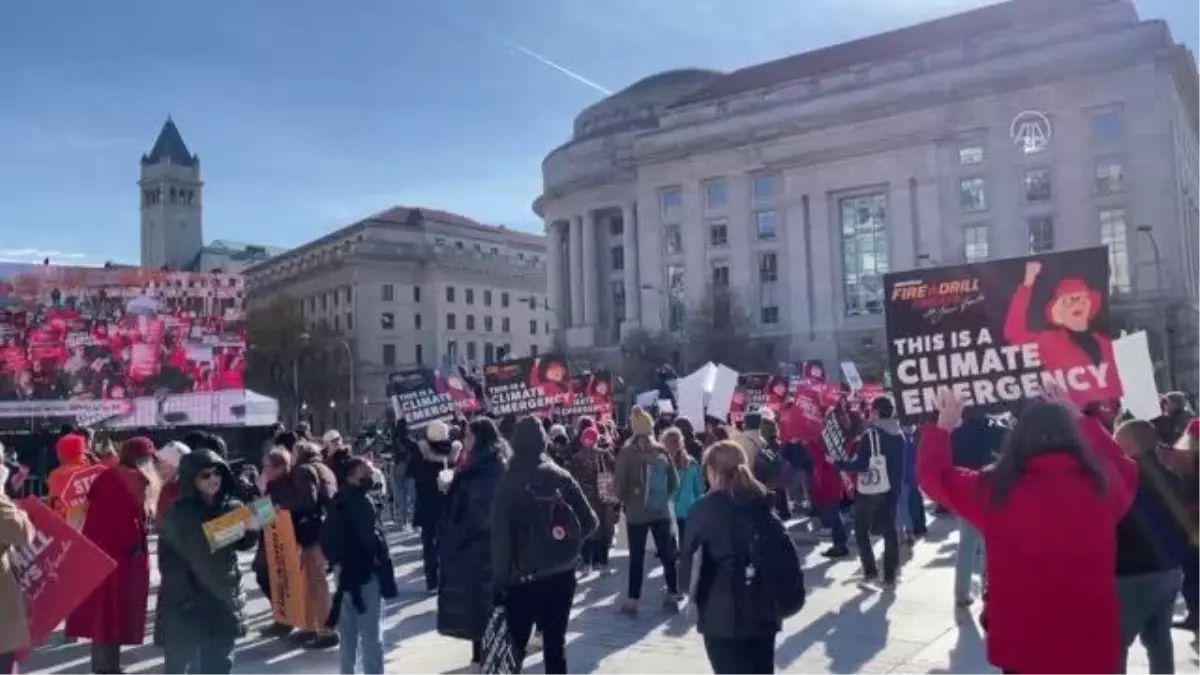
column 584, row 570
column 835, row 552
column 671, row 603
column 628, row 607
column 870, row 576
column 323, row 641
column 535, row 643
column 889, row 583
column 276, row 630
column 1188, row 622
column 302, row 636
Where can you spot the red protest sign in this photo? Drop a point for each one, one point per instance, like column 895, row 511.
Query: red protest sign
column 57, row 572
column 75, row 492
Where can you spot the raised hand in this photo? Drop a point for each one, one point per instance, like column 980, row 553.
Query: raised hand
column 1032, row 269
column 949, row 409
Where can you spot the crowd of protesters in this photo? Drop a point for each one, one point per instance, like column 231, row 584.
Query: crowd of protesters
column 1081, row 526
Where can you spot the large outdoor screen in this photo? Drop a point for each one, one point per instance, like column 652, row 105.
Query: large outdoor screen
column 120, row 347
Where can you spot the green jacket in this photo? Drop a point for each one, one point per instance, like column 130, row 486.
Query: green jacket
column 641, row 457
column 200, row 589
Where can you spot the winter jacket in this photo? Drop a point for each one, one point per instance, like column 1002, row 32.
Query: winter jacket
column 354, row 543
column 976, row 443
column 891, row 445
column 640, row 456
column 338, row 462
column 16, row 531
column 586, row 466
column 465, row 583
column 313, row 488
column 200, row 589
column 72, row 461
column 709, row 531
column 1051, row 552
column 1150, row 538
column 691, row 488
column 430, row 501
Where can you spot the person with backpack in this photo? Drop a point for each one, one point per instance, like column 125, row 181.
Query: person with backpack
column 592, row 467
column 750, row 578
column 691, row 488
column 313, row 488
column 465, row 589
column 878, row 465
column 354, row 544
column 646, row 483
column 541, row 519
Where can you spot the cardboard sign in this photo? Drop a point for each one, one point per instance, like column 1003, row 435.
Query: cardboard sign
column 852, row 376
column 229, row 528
column 75, row 492
column 283, row 570
column 1132, row 353
column 721, row 397
column 57, row 572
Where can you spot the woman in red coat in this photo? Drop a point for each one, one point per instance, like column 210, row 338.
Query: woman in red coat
column 119, row 518
column 1048, row 512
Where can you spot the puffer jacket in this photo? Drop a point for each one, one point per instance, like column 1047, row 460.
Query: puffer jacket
column 200, row 589
column 466, row 584
column 430, row 501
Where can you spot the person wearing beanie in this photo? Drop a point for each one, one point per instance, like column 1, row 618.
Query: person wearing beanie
column 122, row 501
column 646, row 482
column 436, row 453
column 535, row 548
column 167, row 460
column 593, row 467
column 72, row 465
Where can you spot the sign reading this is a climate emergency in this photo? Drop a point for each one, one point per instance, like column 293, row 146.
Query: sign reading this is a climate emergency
column 996, row 332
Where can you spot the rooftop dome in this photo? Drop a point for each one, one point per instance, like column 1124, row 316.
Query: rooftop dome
column 638, row 105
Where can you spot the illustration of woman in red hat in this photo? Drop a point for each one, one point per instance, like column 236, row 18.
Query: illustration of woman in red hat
column 1070, row 342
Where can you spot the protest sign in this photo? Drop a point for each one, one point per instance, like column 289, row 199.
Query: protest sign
column 422, row 395
column 720, row 396
column 72, row 503
column 283, row 571
column 851, row 375
column 227, row 529
column 692, row 391
column 526, row 385
column 1132, row 354
column 57, row 572
column 995, row 332
column 757, row 392
column 591, row 395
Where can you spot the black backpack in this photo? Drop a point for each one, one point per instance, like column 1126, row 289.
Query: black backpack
column 552, row 537
column 768, row 465
column 771, row 583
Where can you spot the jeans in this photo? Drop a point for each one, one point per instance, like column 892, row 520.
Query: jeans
column 733, row 655
column 365, row 628
column 664, row 542
column 877, row 511
column 831, row 517
column 404, row 494
column 429, row 554
column 916, row 511
column 195, row 650
column 970, row 550
column 1147, row 604
column 595, row 552
column 547, row 604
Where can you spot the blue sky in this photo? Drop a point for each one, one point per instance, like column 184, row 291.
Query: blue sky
column 309, row 114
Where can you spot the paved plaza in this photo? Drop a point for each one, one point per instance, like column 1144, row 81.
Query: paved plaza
column 844, row 628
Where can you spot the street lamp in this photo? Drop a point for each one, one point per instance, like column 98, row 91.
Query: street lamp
column 306, row 338
column 1164, row 343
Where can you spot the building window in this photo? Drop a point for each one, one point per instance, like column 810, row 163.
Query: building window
column 324, row 302
column 389, row 354
column 458, row 245
column 768, row 278
column 1115, row 235
column 675, row 295
column 416, row 293
column 768, row 268
column 389, row 293
column 505, row 326
column 671, row 204
column 1037, row 186
column 616, row 227
column 349, row 294
column 451, row 324
column 770, row 314
column 975, row 242
column 533, row 350
column 337, row 323
column 765, row 188
column 417, row 321
column 451, row 351
column 470, row 293
column 618, row 299
column 1041, row 234
column 387, row 321
column 618, row 257
column 1110, row 176
column 418, row 354
column 489, row 352
column 533, row 327
column 674, row 239
column 864, row 253
column 971, row 195
column 494, row 251
column 765, row 224
column 1106, row 126
column 487, row 324
column 504, row 299
column 449, row 294
column 336, row 296
column 969, row 155
column 471, row 350
column 470, row 322
column 720, row 275
column 349, row 320
column 533, row 303
column 715, row 194
column 487, row 298
column 718, row 233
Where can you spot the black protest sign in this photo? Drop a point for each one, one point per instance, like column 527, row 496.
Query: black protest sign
column 996, row 332
column 591, row 395
column 531, row 384
column 422, row 395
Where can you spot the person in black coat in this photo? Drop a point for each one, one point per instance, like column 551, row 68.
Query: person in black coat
column 436, row 454
column 465, row 589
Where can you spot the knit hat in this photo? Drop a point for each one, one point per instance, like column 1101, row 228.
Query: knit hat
column 332, row 437
column 589, row 437
column 437, row 432
column 71, row 449
column 171, row 453
column 529, row 440
column 135, row 449
column 641, row 422
column 558, row 430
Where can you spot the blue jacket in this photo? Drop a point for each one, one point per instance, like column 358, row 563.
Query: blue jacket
column 691, row 488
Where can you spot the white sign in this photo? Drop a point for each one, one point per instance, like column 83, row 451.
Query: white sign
column 1031, row 130
column 1132, row 354
column 853, row 378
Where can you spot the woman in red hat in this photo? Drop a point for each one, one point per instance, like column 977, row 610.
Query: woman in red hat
column 118, row 521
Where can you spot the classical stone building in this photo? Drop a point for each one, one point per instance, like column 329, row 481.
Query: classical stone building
column 407, row 287
column 1024, row 126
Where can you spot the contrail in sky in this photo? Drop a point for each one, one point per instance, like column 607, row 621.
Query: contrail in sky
column 562, row 69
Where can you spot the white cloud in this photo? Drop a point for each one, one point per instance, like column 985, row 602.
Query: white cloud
column 37, row 255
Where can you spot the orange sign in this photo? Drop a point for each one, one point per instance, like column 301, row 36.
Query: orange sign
column 283, row 569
